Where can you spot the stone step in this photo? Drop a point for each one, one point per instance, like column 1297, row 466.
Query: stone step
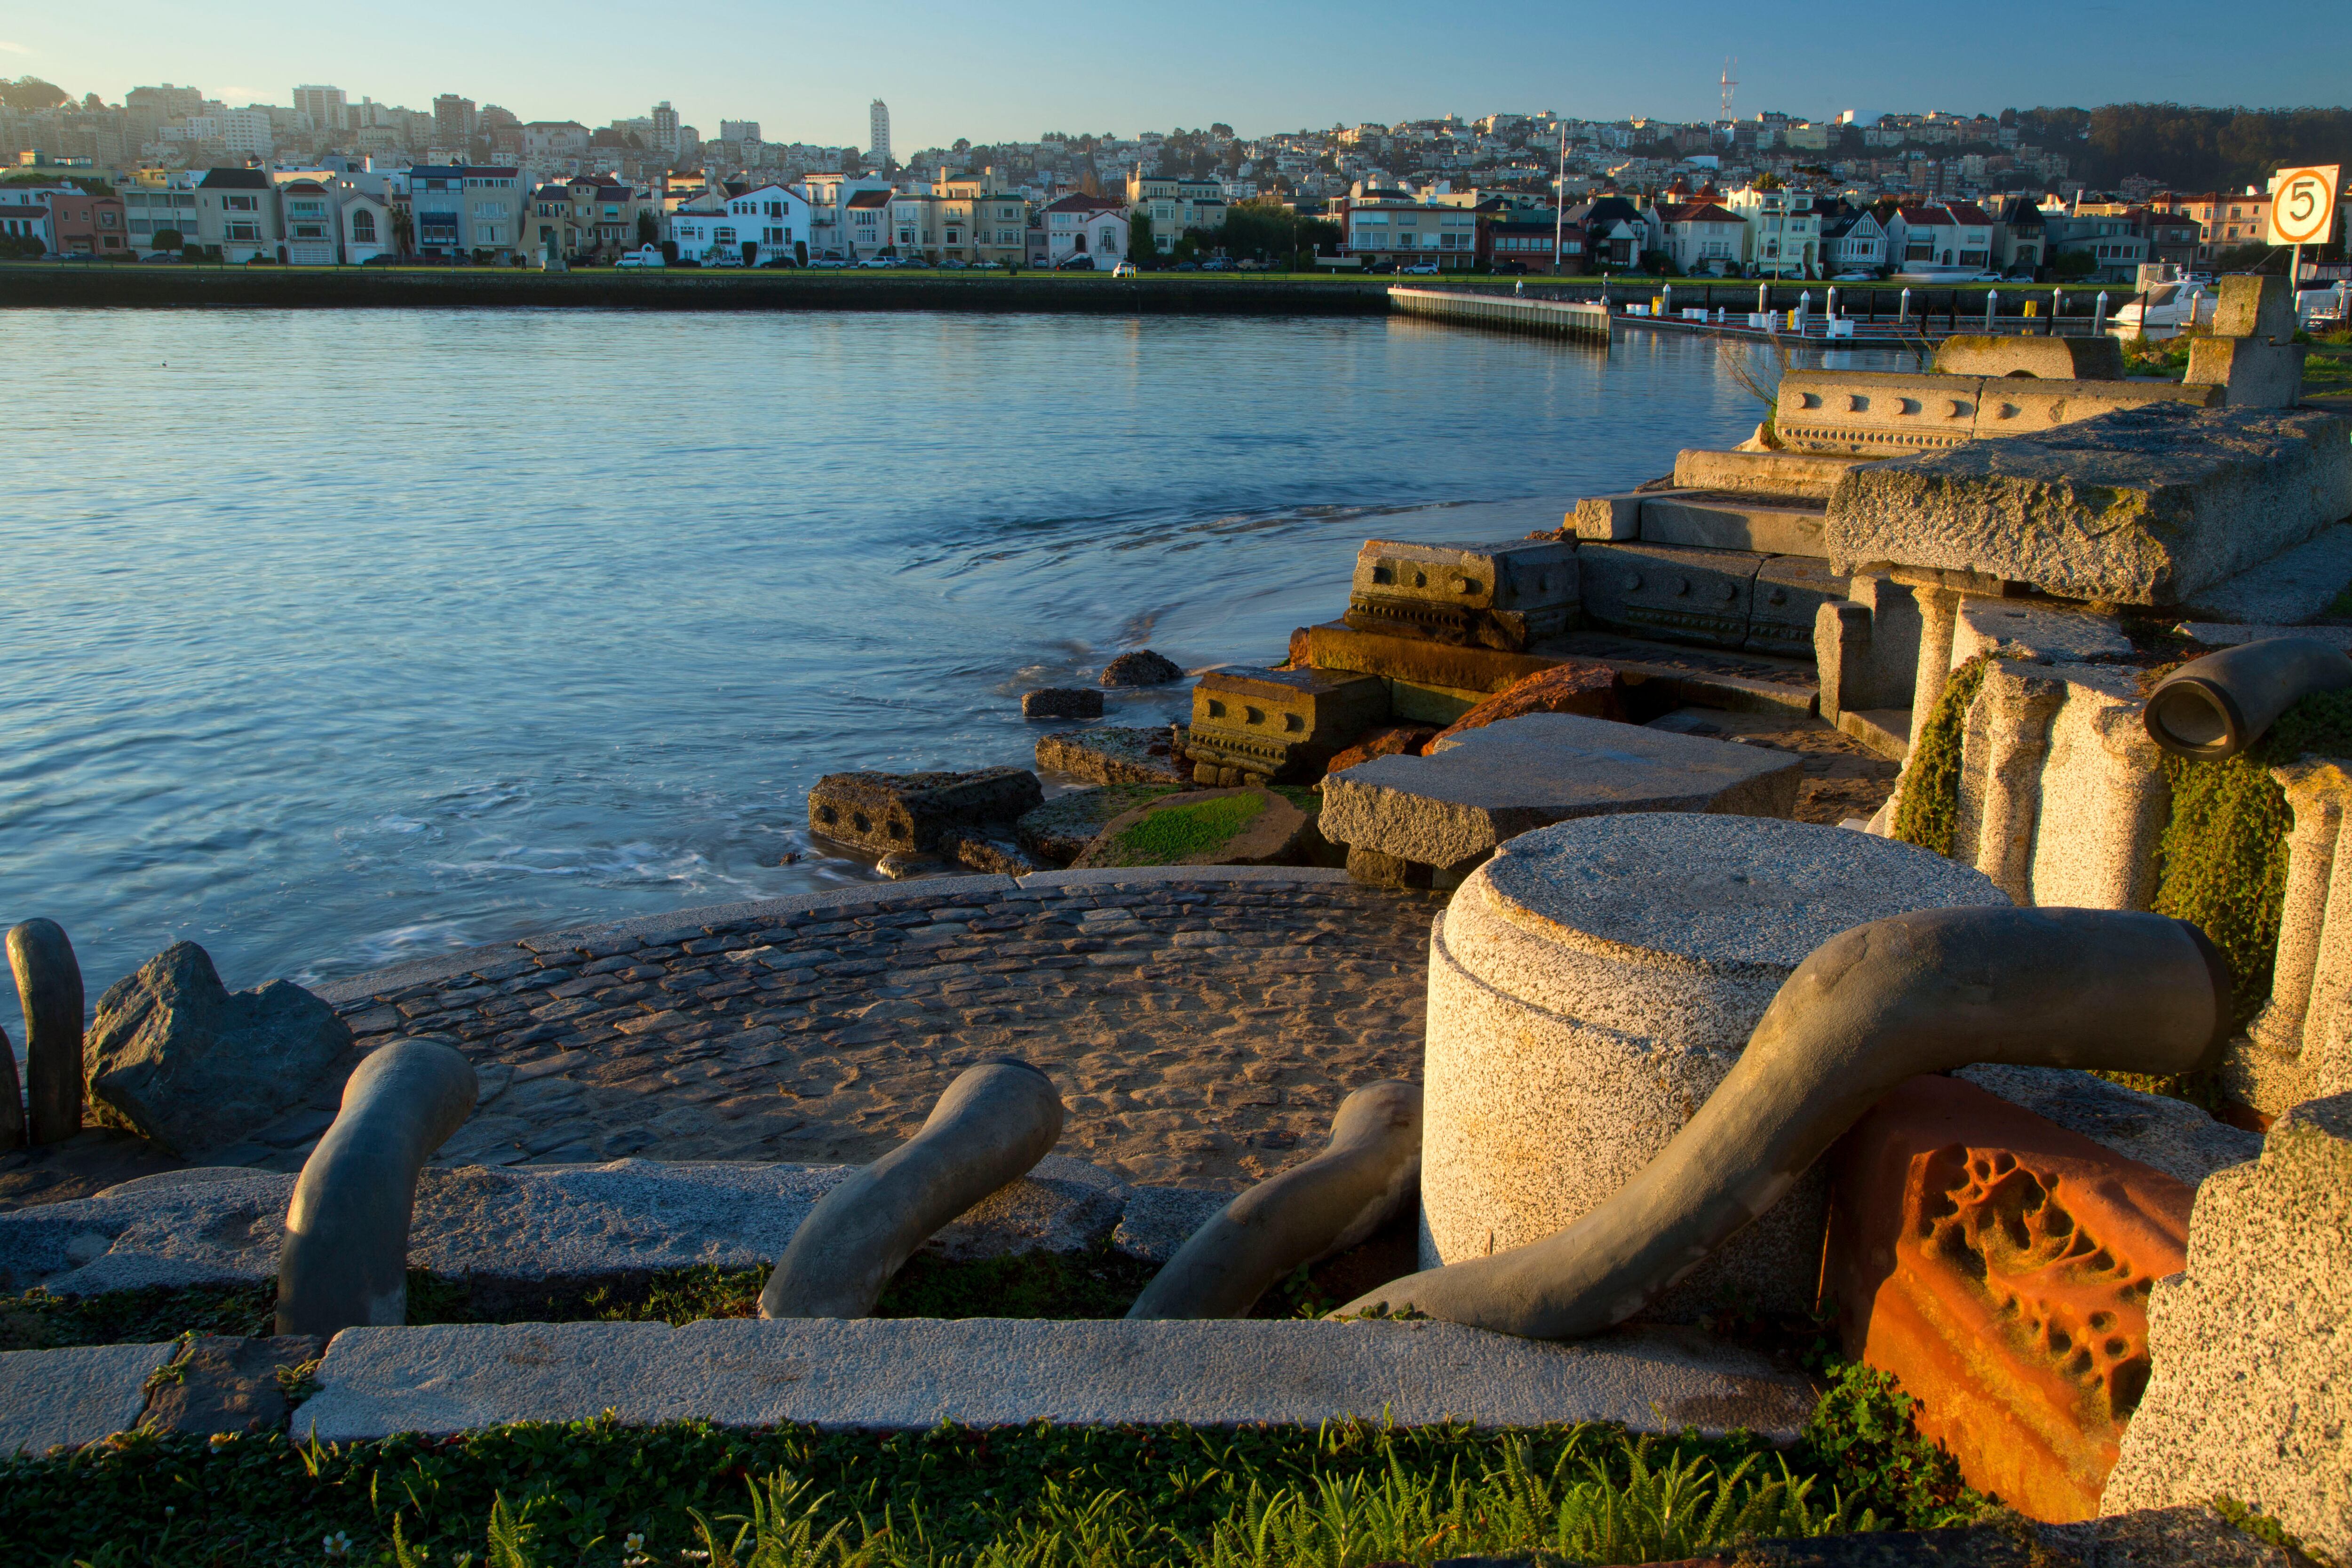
column 1720, row 519
column 74, row 1395
column 1886, row 731
column 914, row 1373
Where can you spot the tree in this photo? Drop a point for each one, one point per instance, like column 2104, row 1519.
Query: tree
column 1769, row 182
column 168, row 239
column 750, row 253
column 30, row 94
column 403, row 231
column 648, row 231
column 1140, row 246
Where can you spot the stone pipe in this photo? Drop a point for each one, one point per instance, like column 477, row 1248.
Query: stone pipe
column 345, row 1262
column 12, row 1100
column 994, row 1123
column 2215, row 706
column 1369, row 1170
column 48, row 987
column 1921, row 992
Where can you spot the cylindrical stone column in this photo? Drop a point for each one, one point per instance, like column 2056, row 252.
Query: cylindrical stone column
column 2020, row 702
column 2316, row 793
column 1592, row 984
column 48, row 987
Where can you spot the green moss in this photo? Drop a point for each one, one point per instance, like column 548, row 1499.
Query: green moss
column 1177, row 833
column 37, row 1321
column 1930, row 812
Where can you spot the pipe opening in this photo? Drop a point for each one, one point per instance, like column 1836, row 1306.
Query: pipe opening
column 2192, row 717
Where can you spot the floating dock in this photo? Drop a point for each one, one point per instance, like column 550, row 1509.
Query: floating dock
column 1510, row 313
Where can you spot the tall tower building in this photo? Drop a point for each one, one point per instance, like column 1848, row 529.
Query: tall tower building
column 665, row 127
column 454, row 122
column 878, row 135
column 325, row 106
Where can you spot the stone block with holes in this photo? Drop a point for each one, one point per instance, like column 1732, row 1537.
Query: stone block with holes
column 1279, row 726
column 1501, row 596
column 886, row 813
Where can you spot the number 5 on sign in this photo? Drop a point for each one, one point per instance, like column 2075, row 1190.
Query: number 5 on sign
column 2303, row 205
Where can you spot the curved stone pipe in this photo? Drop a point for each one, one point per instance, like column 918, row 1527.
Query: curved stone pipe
column 48, row 987
column 2215, row 706
column 994, row 1123
column 1369, row 1170
column 11, row 1100
column 346, row 1258
column 1872, row 1007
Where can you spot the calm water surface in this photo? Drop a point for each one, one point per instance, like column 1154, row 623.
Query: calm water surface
column 331, row 639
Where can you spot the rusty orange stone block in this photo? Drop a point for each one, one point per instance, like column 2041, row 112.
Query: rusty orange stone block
column 1594, row 691
column 1998, row 1266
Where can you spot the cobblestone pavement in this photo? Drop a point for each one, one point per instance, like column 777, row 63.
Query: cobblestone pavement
column 1201, row 1031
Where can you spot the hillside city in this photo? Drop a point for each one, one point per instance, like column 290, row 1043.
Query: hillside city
column 170, row 171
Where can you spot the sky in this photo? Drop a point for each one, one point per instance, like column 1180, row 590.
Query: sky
column 994, row 71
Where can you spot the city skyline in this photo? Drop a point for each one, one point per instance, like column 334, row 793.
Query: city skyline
column 812, row 76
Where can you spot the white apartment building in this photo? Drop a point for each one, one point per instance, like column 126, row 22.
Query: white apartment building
column 323, row 107
column 1176, row 206
column 1385, row 225
column 1080, row 224
column 749, row 228
column 1784, row 232
column 878, row 135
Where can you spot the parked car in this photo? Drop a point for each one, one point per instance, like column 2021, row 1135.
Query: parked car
column 1510, row 269
column 724, row 258
column 174, row 256
column 1381, row 266
column 830, row 263
column 1217, row 264
column 1126, row 269
column 778, row 261
column 879, row 263
column 1252, row 264
column 645, row 256
column 1855, row 278
column 1074, row 264
column 1423, row 269
column 1187, row 267
column 953, row 264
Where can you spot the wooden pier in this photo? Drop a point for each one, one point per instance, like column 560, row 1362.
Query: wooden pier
column 1509, row 312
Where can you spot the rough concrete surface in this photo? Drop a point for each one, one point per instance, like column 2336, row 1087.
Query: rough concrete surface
column 220, row 1383
column 1591, row 985
column 1489, row 785
column 75, row 1396
column 2174, row 1137
column 2292, row 585
column 988, row 1372
column 1803, row 474
column 2147, row 506
column 526, row 1223
column 1158, row 1221
column 1842, row 777
column 2046, row 633
column 1112, row 754
column 1728, row 520
column 2251, row 1343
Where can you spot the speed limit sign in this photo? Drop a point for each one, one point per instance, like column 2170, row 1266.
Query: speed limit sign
column 2303, row 205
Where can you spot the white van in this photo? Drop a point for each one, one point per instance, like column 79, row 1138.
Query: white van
column 648, row 256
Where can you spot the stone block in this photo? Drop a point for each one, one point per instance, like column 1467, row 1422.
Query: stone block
column 1715, row 519
column 2145, row 507
column 219, row 1383
column 2250, row 373
column 996, row 850
column 1810, row 476
column 2018, row 406
column 1867, row 645
column 2255, row 306
column 1605, row 518
column 2040, row 633
column 883, row 813
column 1681, row 594
column 1592, row 984
column 2048, row 359
column 175, row 1056
column 1786, row 603
column 2250, row 1342
column 2170, row 1135
column 73, row 1396
column 1999, row 1266
column 1594, row 691
column 1502, row 595
column 2293, row 586
column 1890, row 413
column 1113, row 754
column 1062, row 702
column 1272, row 833
column 1452, row 807
column 912, row 1373
column 1280, row 726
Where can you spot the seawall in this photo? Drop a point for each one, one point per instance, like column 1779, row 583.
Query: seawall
column 276, row 288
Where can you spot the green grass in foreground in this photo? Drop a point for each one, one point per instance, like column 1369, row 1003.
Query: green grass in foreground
column 1172, row 833
column 595, row 1492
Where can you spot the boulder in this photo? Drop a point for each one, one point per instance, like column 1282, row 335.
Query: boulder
column 1452, row 808
column 1062, row 702
column 1247, row 826
column 1114, row 755
column 2147, row 506
column 884, row 813
column 1998, row 1266
column 1396, row 740
column 1141, row 668
column 1594, row 691
column 177, row 1057
column 2250, row 1397
column 994, row 850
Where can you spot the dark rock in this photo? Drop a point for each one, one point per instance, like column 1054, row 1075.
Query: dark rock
column 900, row 865
column 1397, row 739
column 226, row 1385
column 11, row 1100
column 989, row 849
column 882, row 813
column 1378, row 870
column 48, row 987
column 178, row 1058
column 1141, row 668
column 1062, row 702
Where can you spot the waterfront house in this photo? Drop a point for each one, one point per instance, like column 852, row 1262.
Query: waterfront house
column 363, row 220
column 1526, row 239
column 981, row 218
column 1081, row 225
column 1615, row 231
column 2108, row 248
column 2018, row 238
column 159, row 202
column 467, row 209
column 2228, row 218
column 1784, row 232
column 313, row 224
column 1378, row 224
column 1176, row 206
column 846, row 213
column 1853, row 241
column 1702, row 236
column 742, row 223
column 236, row 212
column 24, row 219
column 76, row 222
column 1940, row 235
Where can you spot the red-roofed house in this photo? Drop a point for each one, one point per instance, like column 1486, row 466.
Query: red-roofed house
column 1705, row 238
column 1946, row 234
column 1081, row 225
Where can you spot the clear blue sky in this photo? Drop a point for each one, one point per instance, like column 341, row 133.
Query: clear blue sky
column 992, row 69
